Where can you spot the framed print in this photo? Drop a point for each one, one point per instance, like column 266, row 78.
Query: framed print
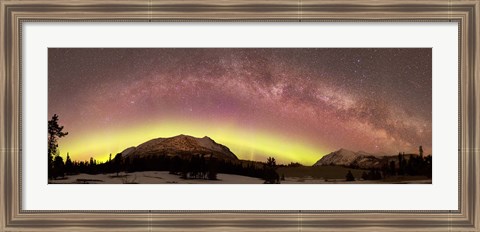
column 208, row 119
column 216, row 116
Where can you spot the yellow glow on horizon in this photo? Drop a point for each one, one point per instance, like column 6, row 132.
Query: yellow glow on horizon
column 246, row 144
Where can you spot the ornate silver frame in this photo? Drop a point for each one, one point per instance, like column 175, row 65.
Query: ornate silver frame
column 15, row 12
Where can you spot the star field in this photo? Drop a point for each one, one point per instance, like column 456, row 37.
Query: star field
column 304, row 101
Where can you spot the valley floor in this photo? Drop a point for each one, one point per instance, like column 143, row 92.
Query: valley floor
column 163, row 177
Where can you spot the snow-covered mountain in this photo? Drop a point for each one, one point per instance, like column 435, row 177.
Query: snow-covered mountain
column 181, row 145
column 360, row 159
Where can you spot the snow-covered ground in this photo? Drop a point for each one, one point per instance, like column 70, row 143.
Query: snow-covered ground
column 163, row 177
column 152, row 177
column 296, row 180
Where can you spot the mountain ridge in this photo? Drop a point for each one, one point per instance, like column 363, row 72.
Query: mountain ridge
column 181, row 145
column 360, row 159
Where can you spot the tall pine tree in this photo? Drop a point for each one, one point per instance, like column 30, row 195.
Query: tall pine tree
column 55, row 131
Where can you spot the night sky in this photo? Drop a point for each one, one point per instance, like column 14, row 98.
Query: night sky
column 294, row 104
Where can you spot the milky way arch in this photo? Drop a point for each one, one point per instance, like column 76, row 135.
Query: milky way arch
column 295, row 104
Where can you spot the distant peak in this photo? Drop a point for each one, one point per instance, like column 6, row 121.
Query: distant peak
column 181, row 136
column 189, row 136
column 183, row 144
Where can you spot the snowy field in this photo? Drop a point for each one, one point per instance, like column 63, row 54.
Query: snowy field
column 163, row 177
column 151, row 177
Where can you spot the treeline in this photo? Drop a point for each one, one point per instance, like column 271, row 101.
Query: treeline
column 403, row 165
column 193, row 167
column 409, row 165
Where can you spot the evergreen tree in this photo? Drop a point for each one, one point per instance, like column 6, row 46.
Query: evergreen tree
column 68, row 165
column 118, row 162
column 55, row 131
column 271, row 162
column 212, row 169
column 349, row 176
column 392, row 168
column 271, row 175
column 58, row 167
